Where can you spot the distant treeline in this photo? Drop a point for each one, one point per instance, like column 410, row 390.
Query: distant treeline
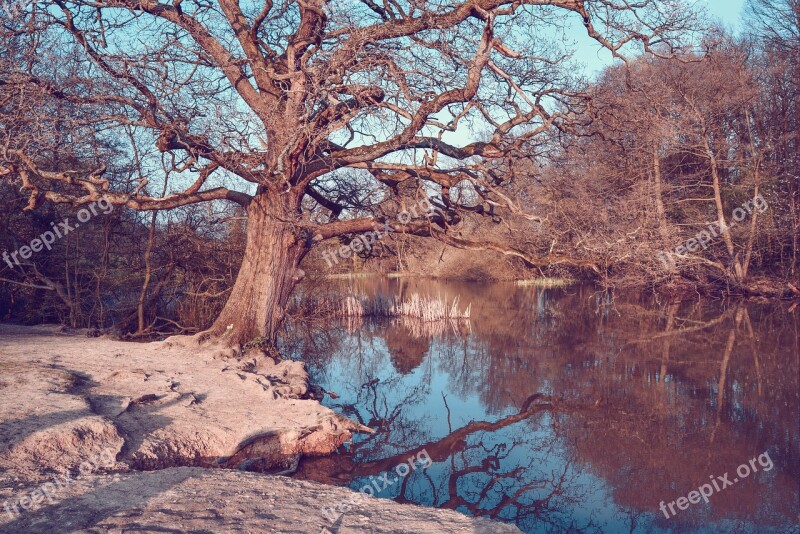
column 686, row 171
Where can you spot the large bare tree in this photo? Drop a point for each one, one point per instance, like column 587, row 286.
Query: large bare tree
column 274, row 105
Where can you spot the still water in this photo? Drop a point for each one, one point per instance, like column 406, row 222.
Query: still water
column 571, row 409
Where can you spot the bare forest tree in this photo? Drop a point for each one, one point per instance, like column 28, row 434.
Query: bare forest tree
column 696, row 150
column 270, row 105
column 775, row 33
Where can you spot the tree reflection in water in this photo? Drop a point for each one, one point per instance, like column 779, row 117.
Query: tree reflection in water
column 569, row 409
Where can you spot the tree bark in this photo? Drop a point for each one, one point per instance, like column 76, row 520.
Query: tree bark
column 269, row 271
column 756, row 157
column 661, row 213
column 148, row 271
column 722, row 223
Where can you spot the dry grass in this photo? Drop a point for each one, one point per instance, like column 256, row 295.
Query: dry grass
column 417, row 328
column 349, row 276
column 424, row 308
column 545, row 282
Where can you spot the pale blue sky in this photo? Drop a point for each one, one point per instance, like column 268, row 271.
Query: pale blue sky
column 595, row 57
column 729, row 11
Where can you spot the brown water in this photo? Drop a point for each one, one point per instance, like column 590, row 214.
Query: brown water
column 570, row 409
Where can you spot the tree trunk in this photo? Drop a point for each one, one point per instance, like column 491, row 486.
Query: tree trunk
column 661, row 213
column 756, row 156
column 148, row 271
column 721, row 222
column 269, row 271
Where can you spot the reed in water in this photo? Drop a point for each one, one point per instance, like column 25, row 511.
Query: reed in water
column 425, row 308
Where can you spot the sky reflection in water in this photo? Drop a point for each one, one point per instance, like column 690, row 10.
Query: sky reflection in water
column 568, row 410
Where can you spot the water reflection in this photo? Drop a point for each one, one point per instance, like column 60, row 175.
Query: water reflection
column 569, row 409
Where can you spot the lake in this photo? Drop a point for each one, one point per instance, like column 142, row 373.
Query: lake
column 569, row 409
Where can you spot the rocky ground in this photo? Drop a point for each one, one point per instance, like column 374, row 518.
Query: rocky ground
column 191, row 499
column 93, row 433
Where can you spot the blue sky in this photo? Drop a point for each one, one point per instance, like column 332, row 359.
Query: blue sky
column 729, row 11
column 594, row 57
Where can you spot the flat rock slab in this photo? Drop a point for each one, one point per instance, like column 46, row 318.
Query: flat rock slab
column 67, row 398
column 192, row 499
column 99, row 435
